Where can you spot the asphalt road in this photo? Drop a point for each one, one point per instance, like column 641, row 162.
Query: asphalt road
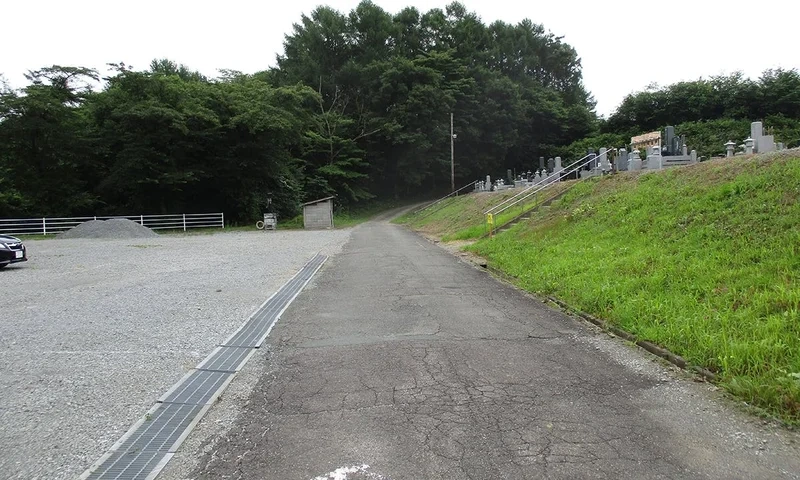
column 402, row 362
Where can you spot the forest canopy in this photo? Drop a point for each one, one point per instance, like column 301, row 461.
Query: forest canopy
column 358, row 106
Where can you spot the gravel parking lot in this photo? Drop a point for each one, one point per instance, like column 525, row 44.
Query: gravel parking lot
column 94, row 331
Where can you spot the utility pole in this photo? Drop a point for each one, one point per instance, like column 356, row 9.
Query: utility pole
column 452, row 157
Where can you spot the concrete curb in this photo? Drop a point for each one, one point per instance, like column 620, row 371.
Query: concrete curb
column 652, row 348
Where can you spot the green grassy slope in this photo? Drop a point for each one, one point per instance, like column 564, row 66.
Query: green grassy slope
column 461, row 218
column 703, row 260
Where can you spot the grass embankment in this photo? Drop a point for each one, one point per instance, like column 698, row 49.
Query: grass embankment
column 462, row 217
column 703, row 260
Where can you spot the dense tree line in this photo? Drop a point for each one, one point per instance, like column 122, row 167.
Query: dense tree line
column 358, row 106
column 708, row 111
column 776, row 92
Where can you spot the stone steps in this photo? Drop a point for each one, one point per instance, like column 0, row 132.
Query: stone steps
column 527, row 215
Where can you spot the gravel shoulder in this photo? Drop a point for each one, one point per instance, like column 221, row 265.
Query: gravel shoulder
column 94, row 331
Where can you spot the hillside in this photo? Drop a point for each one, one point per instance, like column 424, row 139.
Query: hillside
column 461, row 218
column 703, row 260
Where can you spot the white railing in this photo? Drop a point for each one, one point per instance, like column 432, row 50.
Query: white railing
column 53, row 225
column 529, row 192
column 551, row 178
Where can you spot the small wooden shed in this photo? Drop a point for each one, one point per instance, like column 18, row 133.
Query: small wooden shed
column 318, row 214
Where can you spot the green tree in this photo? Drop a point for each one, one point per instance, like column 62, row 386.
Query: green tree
column 156, row 130
column 46, row 143
column 516, row 91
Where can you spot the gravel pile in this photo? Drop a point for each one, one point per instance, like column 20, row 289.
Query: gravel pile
column 114, row 228
column 105, row 328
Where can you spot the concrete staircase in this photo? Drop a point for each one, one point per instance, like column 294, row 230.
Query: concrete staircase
column 526, row 215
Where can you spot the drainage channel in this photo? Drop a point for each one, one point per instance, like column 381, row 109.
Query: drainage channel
column 150, row 443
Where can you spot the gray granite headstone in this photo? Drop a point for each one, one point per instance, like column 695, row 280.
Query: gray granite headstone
column 550, row 164
column 605, row 165
column 541, row 163
column 766, row 144
column 654, row 159
column 557, row 170
column 756, row 132
column 621, row 163
column 635, row 163
column 592, row 163
column 669, row 141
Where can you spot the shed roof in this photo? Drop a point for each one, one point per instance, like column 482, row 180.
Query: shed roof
column 316, row 201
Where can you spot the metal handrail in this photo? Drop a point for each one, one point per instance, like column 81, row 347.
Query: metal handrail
column 509, row 199
column 443, row 198
column 564, row 173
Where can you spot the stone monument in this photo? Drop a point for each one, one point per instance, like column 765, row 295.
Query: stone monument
column 635, row 163
column 605, row 164
column 621, row 162
column 761, row 143
column 654, row 159
column 557, row 170
column 673, row 144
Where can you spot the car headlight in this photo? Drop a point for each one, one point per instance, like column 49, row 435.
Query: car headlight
column 3, row 246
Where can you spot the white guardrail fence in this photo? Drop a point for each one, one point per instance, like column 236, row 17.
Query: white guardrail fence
column 53, row 225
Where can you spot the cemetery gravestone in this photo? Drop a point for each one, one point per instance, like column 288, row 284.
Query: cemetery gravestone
column 605, row 165
column 654, row 159
column 621, row 162
column 635, row 163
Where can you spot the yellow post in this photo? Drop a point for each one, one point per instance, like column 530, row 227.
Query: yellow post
column 490, row 222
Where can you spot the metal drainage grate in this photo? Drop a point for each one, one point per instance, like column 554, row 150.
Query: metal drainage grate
column 227, row 359
column 147, row 447
column 256, row 329
column 199, row 387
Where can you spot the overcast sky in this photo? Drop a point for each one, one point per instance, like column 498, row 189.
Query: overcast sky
column 624, row 44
